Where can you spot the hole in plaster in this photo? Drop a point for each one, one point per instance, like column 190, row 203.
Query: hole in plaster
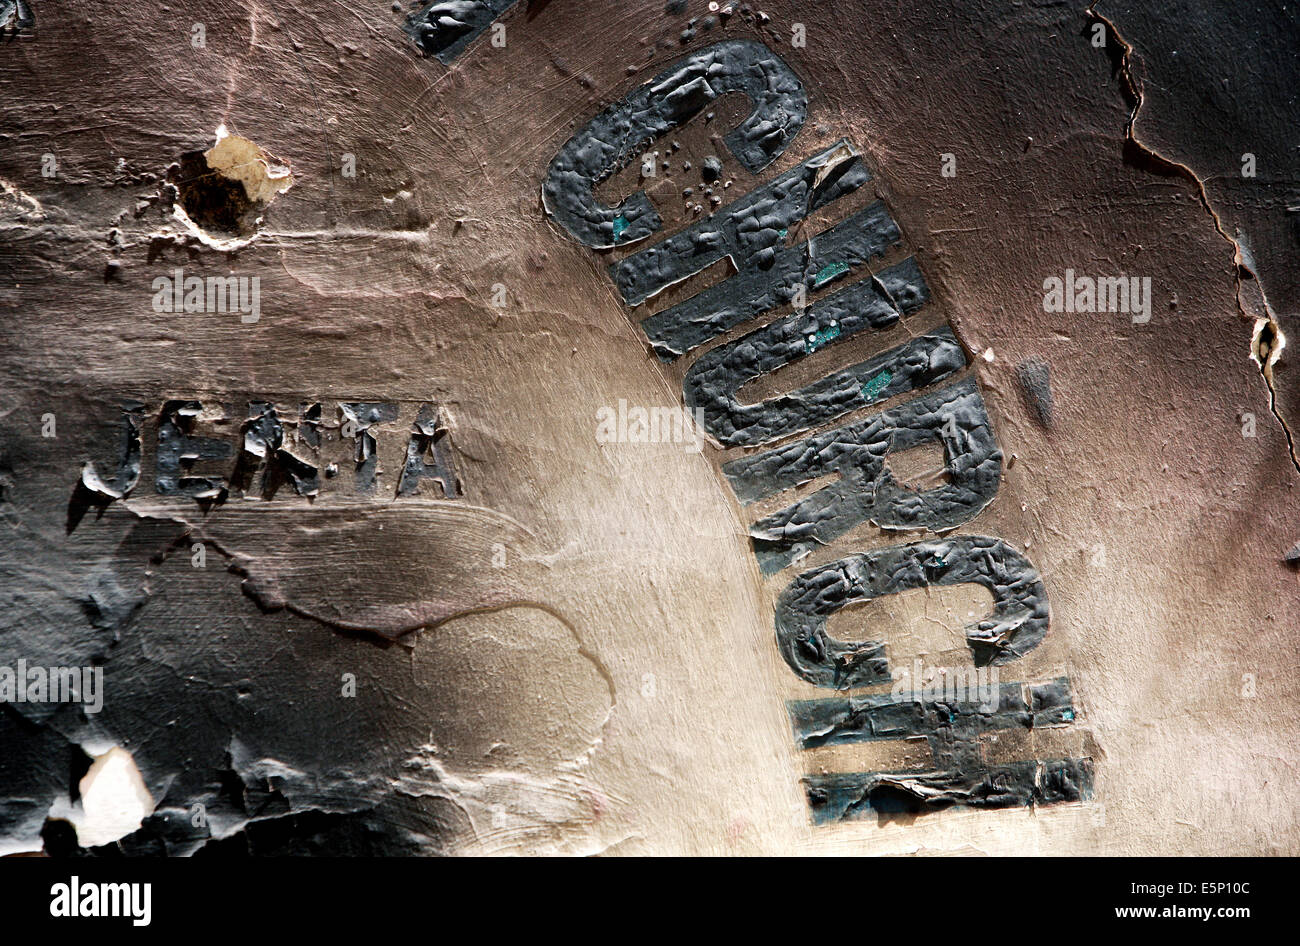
column 1266, row 345
column 222, row 192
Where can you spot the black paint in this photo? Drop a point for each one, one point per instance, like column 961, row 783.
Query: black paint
column 711, row 383
column 428, row 439
column 866, row 489
column 1016, row 624
column 178, row 451
column 960, row 775
column 444, row 28
column 264, row 449
column 618, row 135
column 94, row 490
column 361, row 416
column 752, row 232
column 845, row 795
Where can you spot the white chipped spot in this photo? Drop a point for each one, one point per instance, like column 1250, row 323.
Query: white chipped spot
column 114, row 799
column 1266, row 347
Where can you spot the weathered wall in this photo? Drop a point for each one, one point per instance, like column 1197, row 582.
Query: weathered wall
column 574, row 652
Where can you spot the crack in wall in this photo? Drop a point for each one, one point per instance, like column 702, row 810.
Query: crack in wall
column 1267, row 340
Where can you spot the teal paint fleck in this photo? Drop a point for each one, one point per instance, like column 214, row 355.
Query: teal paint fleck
column 1068, row 714
column 815, row 340
column 620, row 225
column 873, row 387
column 829, row 272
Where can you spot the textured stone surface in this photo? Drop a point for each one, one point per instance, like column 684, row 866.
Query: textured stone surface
column 572, row 648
